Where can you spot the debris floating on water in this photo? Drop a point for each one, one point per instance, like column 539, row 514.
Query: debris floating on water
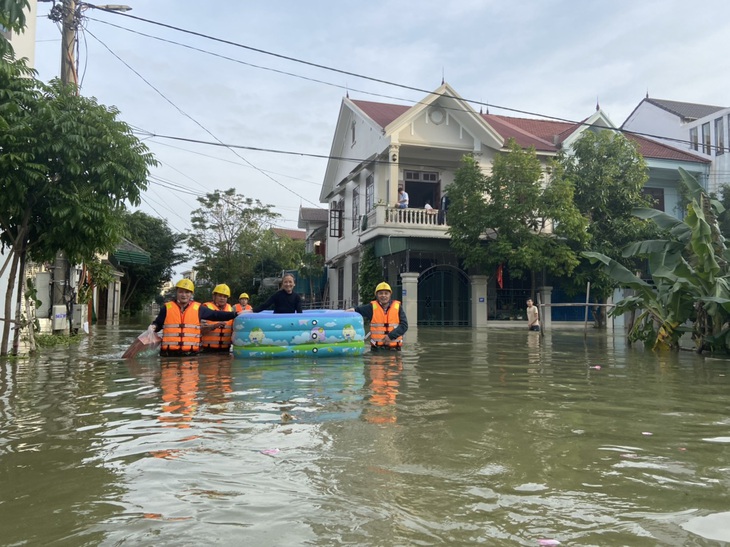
column 270, row 451
column 647, row 433
column 548, row 542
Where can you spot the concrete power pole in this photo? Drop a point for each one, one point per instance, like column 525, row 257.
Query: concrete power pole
column 67, row 15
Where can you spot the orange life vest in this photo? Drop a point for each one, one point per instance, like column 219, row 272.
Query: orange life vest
column 238, row 308
column 218, row 339
column 181, row 330
column 382, row 323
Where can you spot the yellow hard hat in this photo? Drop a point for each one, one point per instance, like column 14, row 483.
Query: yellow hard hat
column 243, row 295
column 222, row 289
column 383, row 287
column 185, row 284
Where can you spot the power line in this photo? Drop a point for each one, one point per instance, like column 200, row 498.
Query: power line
column 354, row 74
column 196, row 121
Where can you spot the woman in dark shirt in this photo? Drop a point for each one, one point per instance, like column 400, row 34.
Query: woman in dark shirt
column 285, row 300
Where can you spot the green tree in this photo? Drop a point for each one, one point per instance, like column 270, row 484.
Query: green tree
column 227, row 231
column 690, row 277
column 142, row 282
column 369, row 274
column 12, row 16
column 608, row 174
column 68, row 165
column 514, row 217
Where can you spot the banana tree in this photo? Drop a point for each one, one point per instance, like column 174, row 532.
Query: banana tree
column 690, row 288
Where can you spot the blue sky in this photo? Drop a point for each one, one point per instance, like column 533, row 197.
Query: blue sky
column 549, row 57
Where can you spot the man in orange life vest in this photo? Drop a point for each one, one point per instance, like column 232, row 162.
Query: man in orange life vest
column 388, row 321
column 217, row 334
column 180, row 321
column 243, row 304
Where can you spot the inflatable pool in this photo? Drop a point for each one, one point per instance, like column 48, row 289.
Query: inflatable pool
column 312, row 333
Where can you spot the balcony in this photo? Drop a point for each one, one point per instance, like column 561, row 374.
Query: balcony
column 410, row 222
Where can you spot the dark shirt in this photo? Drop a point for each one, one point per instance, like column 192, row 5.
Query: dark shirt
column 366, row 310
column 203, row 313
column 283, row 302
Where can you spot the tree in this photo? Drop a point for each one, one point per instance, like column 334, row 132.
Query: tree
column 68, row 165
column 369, row 274
column 12, row 16
column 607, row 173
column 142, row 282
column 227, row 230
column 512, row 217
column 690, row 277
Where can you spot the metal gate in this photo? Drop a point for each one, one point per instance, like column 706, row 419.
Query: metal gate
column 443, row 297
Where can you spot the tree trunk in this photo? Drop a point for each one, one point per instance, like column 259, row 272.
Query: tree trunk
column 8, row 305
column 19, row 301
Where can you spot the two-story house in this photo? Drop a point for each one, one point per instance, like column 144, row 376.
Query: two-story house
column 378, row 147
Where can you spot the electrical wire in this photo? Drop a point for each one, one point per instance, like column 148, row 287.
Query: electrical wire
column 354, row 74
column 197, row 122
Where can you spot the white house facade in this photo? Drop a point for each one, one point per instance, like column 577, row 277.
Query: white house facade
column 378, row 147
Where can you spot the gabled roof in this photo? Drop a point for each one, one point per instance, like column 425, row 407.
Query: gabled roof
column 313, row 214
column 381, row 113
column 687, row 111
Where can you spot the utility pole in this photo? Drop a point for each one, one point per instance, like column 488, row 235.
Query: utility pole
column 69, row 14
column 68, row 42
column 65, row 13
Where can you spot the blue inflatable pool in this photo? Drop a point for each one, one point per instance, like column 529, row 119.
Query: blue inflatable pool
column 314, row 332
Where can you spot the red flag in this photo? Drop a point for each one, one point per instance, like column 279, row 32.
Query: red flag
column 499, row 276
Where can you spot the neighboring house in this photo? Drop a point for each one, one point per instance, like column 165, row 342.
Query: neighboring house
column 699, row 129
column 314, row 222
column 377, row 147
column 296, row 235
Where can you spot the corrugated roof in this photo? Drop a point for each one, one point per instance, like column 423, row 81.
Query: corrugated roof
column 686, row 111
column 130, row 253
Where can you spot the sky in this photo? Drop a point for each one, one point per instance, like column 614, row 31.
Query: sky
column 547, row 57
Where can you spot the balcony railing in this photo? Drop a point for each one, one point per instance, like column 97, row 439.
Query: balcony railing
column 406, row 218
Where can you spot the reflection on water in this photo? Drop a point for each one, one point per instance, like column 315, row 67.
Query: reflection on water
column 498, row 437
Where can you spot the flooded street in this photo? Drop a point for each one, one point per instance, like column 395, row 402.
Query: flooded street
column 493, row 437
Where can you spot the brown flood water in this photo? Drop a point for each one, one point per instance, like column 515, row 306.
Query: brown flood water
column 469, row 437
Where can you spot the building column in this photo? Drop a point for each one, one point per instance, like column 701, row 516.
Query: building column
column 478, row 300
column 410, row 296
column 546, row 298
column 393, row 158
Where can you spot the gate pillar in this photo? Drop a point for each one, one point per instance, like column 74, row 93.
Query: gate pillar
column 410, row 296
column 478, row 300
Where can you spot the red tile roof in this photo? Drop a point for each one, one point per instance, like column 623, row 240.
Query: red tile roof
column 657, row 150
column 544, row 135
column 381, row 113
column 291, row 234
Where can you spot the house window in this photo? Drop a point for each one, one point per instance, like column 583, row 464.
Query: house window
column 706, row 142
column 693, row 139
column 337, row 218
column 369, row 193
column 352, row 129
column 656, row 196
column 719, row 137
column 355, row 208
column 420, row 176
